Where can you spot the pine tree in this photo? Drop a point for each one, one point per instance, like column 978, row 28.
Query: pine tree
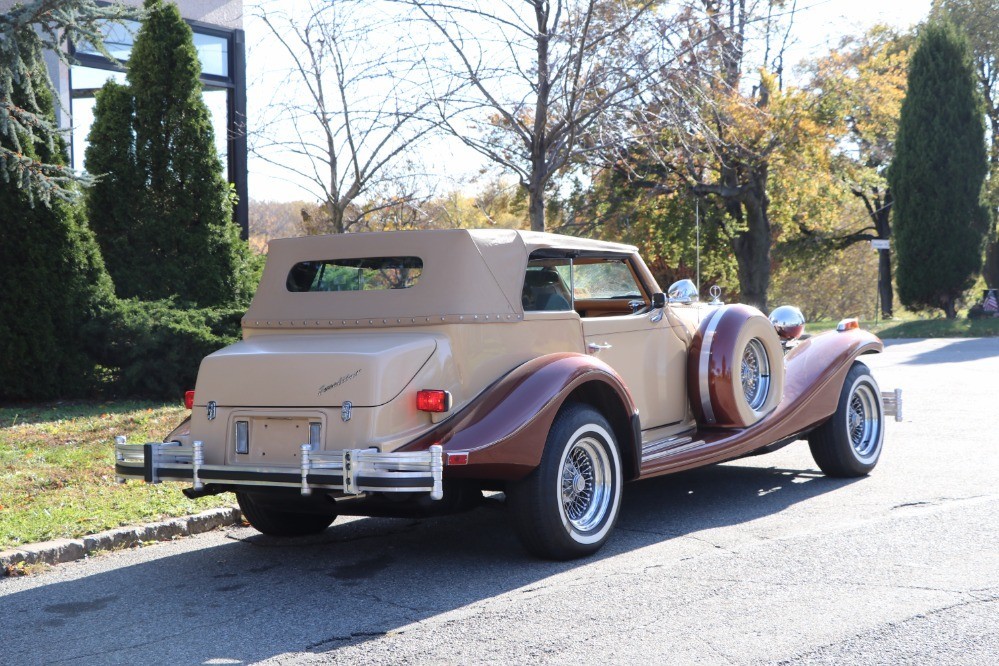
column 51, row 276
column 111, row 199
column 182, row 239
column 27, row 30
column 937, row 175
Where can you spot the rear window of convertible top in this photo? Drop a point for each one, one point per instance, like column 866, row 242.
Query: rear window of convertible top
column 368, row 274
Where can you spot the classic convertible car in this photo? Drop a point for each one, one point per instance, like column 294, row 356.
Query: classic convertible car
column 408, row 372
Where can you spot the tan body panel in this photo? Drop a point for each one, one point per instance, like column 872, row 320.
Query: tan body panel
column 466, row 359
column 648, row 356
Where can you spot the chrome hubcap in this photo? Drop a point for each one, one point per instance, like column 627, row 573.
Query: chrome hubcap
column 863, row 421
column 755, row 374
column 586, row 484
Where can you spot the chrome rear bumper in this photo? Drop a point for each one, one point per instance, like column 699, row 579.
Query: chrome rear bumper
column 352, row 471
column 892, row 401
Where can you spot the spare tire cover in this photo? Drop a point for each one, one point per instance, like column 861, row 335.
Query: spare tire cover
column 735, row 368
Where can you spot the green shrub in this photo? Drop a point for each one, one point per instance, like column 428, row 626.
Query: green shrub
column 153, row 348
column 52, row 277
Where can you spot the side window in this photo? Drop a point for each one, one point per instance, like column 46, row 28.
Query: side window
column 544, row 286
column 369, row 274
column 604, row 279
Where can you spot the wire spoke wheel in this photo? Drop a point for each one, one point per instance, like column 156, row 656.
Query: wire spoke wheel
column 863, row 421
column 755, row 374
column 849, row 443
column 585, row 484
column 567, row 507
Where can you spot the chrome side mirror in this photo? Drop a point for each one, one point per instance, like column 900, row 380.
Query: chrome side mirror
column 683, row 292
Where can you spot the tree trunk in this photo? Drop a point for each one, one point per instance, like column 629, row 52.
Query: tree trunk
column 536, row 205
column 882, row 223
column 884, row 284
column 752, row 247
column 949, row 307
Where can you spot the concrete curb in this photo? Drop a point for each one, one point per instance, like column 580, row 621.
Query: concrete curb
column 68, row 550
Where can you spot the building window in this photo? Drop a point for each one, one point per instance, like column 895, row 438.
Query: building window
column 86, row 79
column 223, row 80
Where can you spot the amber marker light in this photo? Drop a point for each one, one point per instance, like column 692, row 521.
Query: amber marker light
column 433, row 400
column 850, row 324
column 189, row 399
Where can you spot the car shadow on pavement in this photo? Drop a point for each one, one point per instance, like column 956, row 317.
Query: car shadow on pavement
column 256, row 597
column 961, row 350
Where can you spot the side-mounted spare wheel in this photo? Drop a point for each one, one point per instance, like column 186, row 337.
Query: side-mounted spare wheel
column 849, row 443
column 281, row 516
column 567, row 507
column 735, row 368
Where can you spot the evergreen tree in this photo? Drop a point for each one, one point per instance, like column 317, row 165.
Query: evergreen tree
column 182, row 240
column 111, row 199
column 26, row 31
column 937, row 174
column 51, row 276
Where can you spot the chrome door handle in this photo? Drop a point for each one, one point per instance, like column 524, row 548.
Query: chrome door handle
column 594, row 347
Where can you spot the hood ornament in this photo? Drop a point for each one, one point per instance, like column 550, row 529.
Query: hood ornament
column 345, row 410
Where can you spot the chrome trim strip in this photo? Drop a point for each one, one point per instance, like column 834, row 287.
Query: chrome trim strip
column 704, row 363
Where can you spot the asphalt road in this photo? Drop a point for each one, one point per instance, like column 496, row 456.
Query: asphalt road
column 757, row 561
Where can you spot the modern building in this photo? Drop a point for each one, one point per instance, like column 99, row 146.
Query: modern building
column 219, row 40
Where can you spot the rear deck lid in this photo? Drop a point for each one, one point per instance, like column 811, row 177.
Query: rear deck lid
column 313, row 370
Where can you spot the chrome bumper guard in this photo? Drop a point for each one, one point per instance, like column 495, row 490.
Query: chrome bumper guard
column 892, row 401
column 352, row 471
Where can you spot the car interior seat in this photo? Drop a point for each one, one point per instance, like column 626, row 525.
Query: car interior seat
column 544, row 290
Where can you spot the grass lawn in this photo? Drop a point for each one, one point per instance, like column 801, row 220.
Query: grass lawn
column 58, row 470
column 962, row 327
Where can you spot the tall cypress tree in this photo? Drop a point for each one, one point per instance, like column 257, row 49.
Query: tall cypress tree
column 52, row 278
column 937, row 175
column 112, row 199
column 182, row 239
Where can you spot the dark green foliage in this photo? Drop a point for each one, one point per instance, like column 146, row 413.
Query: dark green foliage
column 111, row 199
column 182, row 241
column 27, row 30
column 940, row 163
column 154, row 348
column 52, row 281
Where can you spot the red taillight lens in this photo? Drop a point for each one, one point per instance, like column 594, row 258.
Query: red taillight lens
column 434, row 400
column 189, row 399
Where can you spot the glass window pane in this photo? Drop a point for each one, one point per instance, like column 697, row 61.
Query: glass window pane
column 375, row 273
column 118, row 39
column 88, row 80
column 604, row 279
column 82, row 109
column 217, row 100
column 214, row 54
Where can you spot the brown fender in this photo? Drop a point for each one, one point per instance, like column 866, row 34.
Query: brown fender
column 504, row 428
column 814, row 375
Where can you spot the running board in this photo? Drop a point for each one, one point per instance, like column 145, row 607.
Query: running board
column 670, row 446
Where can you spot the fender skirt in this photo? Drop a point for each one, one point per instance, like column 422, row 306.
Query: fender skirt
column 814, row 373
column 505, row 427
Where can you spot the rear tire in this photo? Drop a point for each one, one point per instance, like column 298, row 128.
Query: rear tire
column 286, row 517
column 567, row 507
column 849, row 443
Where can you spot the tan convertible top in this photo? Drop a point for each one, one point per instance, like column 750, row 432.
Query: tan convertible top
column 468, row 275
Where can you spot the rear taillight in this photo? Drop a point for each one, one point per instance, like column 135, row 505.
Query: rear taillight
column 433, row 400
column 189, row 399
